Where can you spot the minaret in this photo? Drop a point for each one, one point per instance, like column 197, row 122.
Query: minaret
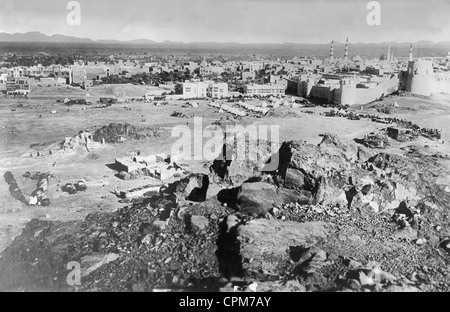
column 410, row 53
column 332, row 52
column 388, row 57
column 346, row 53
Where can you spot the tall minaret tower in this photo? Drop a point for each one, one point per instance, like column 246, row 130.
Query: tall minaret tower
column 389, row 57
column 332, row 52
column 346, row 53
column 411, row 53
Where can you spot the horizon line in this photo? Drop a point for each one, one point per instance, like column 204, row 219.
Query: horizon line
column 210, row 42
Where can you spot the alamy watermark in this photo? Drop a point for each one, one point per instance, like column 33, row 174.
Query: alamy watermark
column 74, row 276
column 241, row 143
column 74, row 16
column 374, row 16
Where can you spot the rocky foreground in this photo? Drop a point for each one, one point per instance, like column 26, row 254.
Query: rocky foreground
column 332, row 217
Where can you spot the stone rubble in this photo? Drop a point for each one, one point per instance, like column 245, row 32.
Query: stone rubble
column 331, row 217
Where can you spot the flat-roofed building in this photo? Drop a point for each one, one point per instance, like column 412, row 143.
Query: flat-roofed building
column 218, row 90
column 194, row 89
column 204, row 89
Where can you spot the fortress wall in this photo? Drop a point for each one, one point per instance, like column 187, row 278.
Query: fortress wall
column 403, row 80
column 350, row 94
column 304, row 88
column 364, row 96
column 321, row 92
column 347, row 95
column 420, row 77
column 347, row 92
column 391, row 84
column 441, row 86
column 292, row 86
column 441, row 83
column 420, row 85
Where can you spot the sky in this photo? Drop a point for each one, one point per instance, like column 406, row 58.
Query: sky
column 244, row 21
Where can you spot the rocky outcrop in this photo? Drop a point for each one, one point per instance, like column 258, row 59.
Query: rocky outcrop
column 320, row 170
column 118, row 132
column 237, row 167
column 192, row 188
column 264, row 244
column 344, row 175
column 289, row 228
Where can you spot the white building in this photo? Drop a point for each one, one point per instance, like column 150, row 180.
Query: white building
column 204, row 89
column 218, row 90
column 3, row 78
column 252, row 66
column 195, row 89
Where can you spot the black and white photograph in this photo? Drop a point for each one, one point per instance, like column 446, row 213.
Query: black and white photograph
column 224, row 150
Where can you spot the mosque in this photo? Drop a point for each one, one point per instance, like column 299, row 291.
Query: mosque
column 347, row 87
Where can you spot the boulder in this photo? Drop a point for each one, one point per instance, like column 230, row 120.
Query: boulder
column 354, row 284
column 294, row 179
column 315, row 278
column 312, row 260
column 264, row 243
column 446, row 245
column 69, row 188
column 239, row 167
column 406, row 233
column 364, row 181
column 334, row 146
column 364, row 279
column 330, row 194
column 353, row 264
column 366, row 203
column 193, row 188
column 199, row 222
column 294, row 196
column 256, row 198
column 231, row 222
column 403, row 192
column 314, row 160
column 364, row 153
column 320, row 170
column 80, row 186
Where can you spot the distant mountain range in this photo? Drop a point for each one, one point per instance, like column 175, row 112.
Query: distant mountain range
column 39, row 37
column 42, row 38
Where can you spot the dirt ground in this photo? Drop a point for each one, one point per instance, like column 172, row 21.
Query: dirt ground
column 29, row 121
